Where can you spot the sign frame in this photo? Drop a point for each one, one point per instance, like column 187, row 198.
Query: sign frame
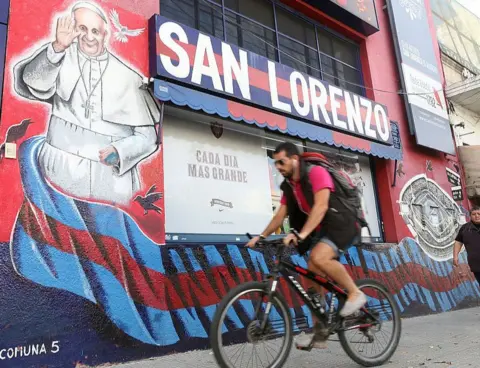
column 419, row 72
column 269, row 85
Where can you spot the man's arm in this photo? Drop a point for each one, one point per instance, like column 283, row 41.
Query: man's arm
column 456, row 251
column 457, row 246
column 319, row 209
column 276, row 221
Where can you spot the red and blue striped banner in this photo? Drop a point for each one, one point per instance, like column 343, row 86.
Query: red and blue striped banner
column 199, row 61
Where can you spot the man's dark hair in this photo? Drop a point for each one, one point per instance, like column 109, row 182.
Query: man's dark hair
column 474, row 208
column 288, row 147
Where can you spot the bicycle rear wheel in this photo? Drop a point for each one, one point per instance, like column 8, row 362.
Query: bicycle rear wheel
column 369, row 334
column 235, row 336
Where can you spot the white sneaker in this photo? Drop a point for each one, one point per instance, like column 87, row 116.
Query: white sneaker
column 352, row 307
column 304, row 342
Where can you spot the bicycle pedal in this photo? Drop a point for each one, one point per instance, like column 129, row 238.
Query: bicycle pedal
column 304, row 348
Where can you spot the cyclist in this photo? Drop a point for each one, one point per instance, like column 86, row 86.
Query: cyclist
column 305, row 200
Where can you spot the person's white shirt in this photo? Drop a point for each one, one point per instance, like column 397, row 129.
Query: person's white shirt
column 97, row 102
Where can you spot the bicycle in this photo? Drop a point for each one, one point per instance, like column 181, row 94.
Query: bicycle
column 260, row 323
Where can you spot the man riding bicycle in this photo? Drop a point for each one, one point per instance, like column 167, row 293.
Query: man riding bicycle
column 306, row 200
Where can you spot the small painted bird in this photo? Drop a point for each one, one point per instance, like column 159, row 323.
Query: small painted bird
column 14, row 133
column 400, row 171
column 148, row 201
column 123, row 32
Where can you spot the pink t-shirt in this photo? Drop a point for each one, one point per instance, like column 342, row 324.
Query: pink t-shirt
column 319, row 178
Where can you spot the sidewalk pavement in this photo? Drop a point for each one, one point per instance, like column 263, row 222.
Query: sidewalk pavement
column 438, row 341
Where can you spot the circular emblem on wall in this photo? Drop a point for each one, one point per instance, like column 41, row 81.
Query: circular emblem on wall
column 431, row 215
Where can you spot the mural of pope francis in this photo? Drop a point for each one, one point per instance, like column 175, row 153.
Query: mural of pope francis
column 102, row 120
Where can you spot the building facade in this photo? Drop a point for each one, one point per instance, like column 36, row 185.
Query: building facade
column 456, row 26
column 138, row 154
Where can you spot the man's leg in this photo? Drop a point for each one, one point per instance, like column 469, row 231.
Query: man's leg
column 320, row 334
column 323, row 257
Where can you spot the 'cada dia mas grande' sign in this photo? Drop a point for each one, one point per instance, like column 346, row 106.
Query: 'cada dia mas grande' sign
column 204, row 62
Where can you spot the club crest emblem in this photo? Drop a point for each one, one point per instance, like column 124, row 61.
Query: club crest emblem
column 217, row 129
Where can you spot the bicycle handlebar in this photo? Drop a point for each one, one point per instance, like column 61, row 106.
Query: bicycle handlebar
column 274, row 242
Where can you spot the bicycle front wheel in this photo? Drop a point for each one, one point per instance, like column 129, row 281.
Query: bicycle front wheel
column 236, row 336
column 371, row 339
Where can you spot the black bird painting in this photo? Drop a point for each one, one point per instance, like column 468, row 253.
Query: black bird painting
column 148, row 202
column 14, row 133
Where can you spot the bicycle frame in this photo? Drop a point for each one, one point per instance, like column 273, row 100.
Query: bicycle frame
column 288, row 270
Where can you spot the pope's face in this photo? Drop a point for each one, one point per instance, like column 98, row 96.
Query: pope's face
column 94, row 32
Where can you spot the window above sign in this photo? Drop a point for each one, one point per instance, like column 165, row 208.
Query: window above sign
column 360, row 15
column 277, row 33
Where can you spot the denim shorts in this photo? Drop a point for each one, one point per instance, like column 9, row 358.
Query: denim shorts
column 331, row 244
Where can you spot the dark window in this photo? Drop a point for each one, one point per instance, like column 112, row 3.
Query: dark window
column 295, row 27
column 339, row 61
column 196, row 14
column 258, row 10
column 250, row 35
column 182, row 11
column 299, row 56
column 210, row 21
column 274, row 31
column 297, row 43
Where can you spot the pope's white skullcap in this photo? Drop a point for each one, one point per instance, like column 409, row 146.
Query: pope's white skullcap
column 92, row 7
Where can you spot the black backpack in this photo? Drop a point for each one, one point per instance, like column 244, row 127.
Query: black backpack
column 345, row 202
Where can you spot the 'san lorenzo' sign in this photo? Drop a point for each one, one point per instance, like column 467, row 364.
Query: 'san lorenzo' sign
column 188, row 56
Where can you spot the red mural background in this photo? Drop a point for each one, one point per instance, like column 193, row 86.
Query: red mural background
column 32, row 24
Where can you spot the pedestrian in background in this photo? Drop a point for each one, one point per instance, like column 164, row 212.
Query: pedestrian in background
column 469, row 236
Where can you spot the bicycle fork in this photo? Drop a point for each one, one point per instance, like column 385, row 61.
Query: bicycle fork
column 268, row 308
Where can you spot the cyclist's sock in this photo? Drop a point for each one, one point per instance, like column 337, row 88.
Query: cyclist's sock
column 351, row 307
column 317, row 340
column 307, row 342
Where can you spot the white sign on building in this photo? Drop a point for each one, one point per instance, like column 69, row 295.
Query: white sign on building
column 216, row 180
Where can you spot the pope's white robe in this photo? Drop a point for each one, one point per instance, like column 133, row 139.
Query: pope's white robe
column 122, row 115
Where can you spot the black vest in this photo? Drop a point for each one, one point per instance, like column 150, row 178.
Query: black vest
column 470, row 237
column 339, row 224
column 296, row 216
